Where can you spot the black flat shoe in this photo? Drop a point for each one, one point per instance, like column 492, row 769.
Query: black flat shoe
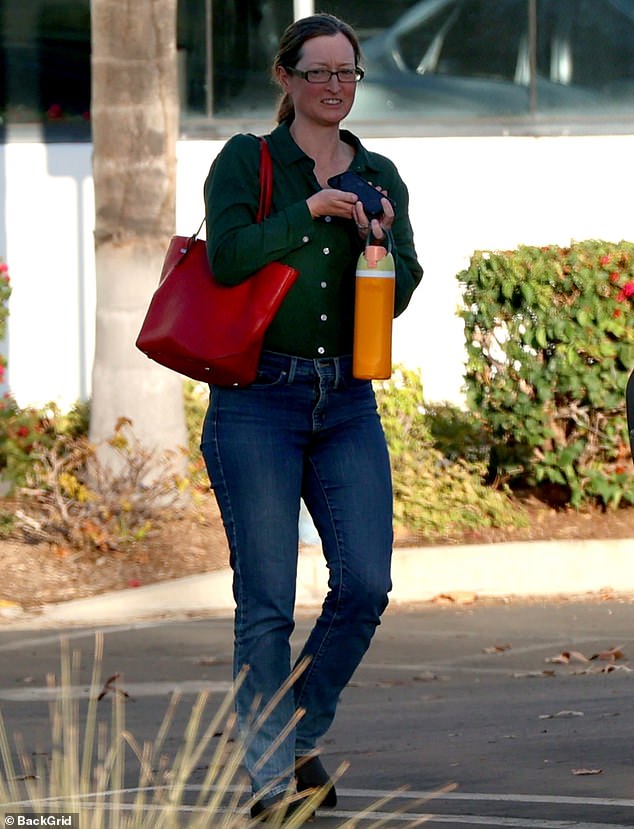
column 310, row 774
column 278, row 810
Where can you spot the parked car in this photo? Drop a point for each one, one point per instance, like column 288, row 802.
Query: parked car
column 483, row 58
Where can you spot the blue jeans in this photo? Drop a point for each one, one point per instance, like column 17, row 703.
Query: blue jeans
column 304, row 428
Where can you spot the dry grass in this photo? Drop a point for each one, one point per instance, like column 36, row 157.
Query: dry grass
column 87, row 771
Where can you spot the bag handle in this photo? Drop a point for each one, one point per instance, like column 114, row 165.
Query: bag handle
column 266, row 188
column 266, row 181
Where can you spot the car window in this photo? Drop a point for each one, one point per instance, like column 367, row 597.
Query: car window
column 490, row 59
column 474, row 39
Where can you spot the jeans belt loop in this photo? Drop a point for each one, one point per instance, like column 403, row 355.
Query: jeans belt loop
column 337, row 372
column 292, row 368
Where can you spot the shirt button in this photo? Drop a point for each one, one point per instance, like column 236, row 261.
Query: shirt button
column 321, row 350
column 324, row 284
column 305, row 239
column 324, row 317
column 326, row 251
column 328, row 219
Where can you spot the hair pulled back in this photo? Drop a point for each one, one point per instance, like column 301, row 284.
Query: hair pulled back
column 290, row 48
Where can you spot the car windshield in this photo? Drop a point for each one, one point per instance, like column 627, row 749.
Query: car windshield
column 503, row 57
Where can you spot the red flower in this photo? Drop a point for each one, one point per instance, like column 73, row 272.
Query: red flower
column 55, row 112
column 23, row 431
column 616, row 313
column 628, row 289
column 3, row 267
column 620, row 297
column 605, row 260
column 614, row 276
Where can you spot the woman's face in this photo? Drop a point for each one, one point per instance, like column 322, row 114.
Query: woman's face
column 325, row 103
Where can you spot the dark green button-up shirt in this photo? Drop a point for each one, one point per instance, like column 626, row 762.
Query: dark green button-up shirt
column 316, row 317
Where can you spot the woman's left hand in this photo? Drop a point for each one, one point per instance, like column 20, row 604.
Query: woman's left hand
column 377, row 227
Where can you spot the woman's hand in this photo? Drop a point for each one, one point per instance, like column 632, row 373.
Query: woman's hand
column 377, row 227
column 331, row 202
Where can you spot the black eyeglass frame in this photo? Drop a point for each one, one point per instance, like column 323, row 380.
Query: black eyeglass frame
column 359, row 74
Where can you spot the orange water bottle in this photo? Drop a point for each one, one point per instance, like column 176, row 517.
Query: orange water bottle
column 373, row 313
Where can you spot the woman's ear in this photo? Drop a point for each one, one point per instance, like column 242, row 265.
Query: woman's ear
column 282, row 78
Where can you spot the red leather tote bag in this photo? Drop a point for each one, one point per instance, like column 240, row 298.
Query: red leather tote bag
column 209, row 331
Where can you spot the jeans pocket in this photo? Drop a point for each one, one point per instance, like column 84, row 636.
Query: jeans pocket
column 269, row 376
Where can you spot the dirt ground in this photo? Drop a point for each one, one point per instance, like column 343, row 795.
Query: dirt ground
column 32, row 574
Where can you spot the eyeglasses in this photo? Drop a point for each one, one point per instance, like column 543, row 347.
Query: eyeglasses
column 324, row 75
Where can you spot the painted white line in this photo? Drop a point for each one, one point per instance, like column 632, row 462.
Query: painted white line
column 81, row 633
column 600, row 802
column 474, row 820
column 134, row 689
column 395, row 816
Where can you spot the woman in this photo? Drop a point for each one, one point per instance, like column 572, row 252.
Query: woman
column 305, row 427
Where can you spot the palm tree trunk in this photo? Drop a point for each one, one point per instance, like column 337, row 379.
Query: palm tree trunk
column 135, row 123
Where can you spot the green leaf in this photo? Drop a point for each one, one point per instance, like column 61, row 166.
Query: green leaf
column 527, row 292
column 608, row 349
column 541, row 337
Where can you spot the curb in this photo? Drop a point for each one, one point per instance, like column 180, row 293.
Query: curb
column 518, row 569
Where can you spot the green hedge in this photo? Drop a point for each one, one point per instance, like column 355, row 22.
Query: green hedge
column 550, row 342
column 439, row 492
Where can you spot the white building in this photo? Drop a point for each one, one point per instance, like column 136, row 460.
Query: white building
column 506, row 134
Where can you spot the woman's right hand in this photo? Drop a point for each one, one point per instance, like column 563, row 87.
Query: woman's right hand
column 331, row 202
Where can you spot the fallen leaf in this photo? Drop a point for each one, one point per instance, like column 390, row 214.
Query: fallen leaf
column 457, row 597
column 561, row 714
column 577, row 656
column 110, row 687
column 496, row 649
column 567, row 656
column 427, row 676
column 610, row 655
column 608, row 669
column 579, row 772
column 533, row 674
column 607, row 594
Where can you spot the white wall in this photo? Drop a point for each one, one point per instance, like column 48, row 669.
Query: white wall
column 466, row 194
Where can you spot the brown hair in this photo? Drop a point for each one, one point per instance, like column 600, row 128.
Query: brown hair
column 290, row 48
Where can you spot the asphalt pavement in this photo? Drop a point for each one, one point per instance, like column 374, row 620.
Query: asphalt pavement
column 468, row 711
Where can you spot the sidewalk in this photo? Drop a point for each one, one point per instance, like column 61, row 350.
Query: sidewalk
column 549, row 568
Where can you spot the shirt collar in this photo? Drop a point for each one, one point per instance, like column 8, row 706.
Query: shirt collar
column 283, row 146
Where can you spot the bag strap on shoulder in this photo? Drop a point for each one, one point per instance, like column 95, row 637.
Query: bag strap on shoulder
column 266, row 181
column 266, row 187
